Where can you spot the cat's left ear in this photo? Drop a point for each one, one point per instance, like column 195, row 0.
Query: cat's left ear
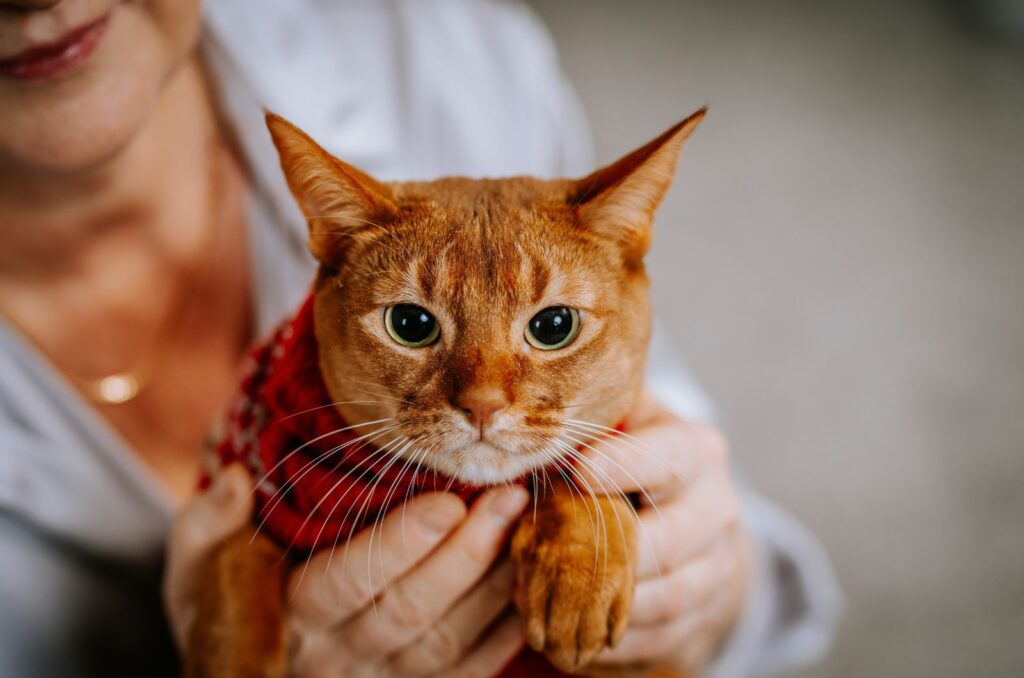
column 340, row 202
column 619, row 200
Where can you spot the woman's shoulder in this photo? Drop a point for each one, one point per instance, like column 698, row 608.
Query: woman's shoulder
column 407, row 89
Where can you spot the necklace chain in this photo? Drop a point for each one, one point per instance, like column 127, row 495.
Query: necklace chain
column 125, row 385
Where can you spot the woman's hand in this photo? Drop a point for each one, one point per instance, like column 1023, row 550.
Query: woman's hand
column 421, row 595
column 693, row 554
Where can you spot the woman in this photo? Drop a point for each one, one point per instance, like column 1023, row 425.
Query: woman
column 140, row 198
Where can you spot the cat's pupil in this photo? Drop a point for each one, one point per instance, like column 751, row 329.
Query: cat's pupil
column 552, row 325
column 412, row 323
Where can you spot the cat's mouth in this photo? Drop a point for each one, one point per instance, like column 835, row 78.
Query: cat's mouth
column 484, row 462
column 504, row 451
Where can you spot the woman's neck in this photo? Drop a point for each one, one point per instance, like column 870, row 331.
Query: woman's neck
column 99, row 259
column 48, row 223
column 140, row 261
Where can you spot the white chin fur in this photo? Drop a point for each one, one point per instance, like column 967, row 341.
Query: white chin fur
column 481, row 463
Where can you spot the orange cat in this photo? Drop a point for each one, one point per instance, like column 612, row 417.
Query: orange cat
column 494, row 324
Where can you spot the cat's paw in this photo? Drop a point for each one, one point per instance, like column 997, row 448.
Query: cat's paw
column 574, row 583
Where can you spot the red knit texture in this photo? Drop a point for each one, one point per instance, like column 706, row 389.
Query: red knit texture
column 317, row 486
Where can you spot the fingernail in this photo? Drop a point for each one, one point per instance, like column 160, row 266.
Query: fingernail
column 441, row 518
column 509, row 503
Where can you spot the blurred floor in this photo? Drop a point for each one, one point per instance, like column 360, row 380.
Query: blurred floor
column 842, row 262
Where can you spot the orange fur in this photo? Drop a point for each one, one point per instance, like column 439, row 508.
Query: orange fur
column 484, row 256
column 238, row 631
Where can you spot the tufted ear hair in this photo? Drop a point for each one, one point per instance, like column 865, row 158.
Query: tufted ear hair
column 619, row 200
column 340, row 202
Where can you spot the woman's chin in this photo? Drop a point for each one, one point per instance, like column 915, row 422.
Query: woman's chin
column 80, row 120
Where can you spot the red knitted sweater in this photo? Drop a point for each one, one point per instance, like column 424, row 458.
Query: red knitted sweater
column 316, row 485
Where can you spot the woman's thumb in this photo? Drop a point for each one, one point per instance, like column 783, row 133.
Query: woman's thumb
column 204, row 523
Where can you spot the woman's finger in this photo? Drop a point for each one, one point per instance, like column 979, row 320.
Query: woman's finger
column 330, row 588
column 206, row 521
column 495, row 651
column 659, row 600
column 659, row 458
column 450, row 638
column 674, row 532
column 411, row 604
column 644, row 644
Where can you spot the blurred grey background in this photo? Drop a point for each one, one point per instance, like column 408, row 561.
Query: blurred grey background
column 842, row 262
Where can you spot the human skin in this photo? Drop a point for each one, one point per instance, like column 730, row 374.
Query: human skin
column 102, row 183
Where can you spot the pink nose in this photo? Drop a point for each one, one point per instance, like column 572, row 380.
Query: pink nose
column 481, row 405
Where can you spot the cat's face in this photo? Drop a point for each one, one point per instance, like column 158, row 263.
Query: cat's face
column 481, row 328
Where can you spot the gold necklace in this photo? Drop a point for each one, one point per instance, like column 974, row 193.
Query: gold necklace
column 125, row 385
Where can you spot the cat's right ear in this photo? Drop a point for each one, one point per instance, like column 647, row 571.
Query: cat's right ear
column 619, row 200
column 340, row 202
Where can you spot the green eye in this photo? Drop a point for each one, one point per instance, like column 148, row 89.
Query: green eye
column 553, row 328
column 411, row 325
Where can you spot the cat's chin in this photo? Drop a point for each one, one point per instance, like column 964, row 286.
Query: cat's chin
column 481, row 463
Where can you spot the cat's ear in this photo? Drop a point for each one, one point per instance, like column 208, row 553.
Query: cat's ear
column 619, row 200
column 340, row 202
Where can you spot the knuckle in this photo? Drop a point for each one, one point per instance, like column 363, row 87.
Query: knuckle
column 402, row 610
column 480, row 548
column 309, row 660
column 443, row 645
column 733, row 510
column 339, row 587
column 679, row 585
column 714, row 443
column 436, row 649
column 188, row 535
column 342, row 590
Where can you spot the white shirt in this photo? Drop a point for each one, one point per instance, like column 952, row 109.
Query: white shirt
column 402, row 89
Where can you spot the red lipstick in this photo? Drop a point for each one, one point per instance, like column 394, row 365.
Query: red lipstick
column 49, row 61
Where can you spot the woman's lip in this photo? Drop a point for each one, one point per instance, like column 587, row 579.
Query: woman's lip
column 49, row 61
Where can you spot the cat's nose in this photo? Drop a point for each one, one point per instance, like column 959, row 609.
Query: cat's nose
column 481, row 405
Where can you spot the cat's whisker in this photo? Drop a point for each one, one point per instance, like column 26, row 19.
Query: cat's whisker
column 583, row 459
column 356, row 444
column 305, row 566
column 634, row 443
column 367, row 382
column 284, row 459
column 572, row 486
column 377, row 454
column 427, row 450
column 640, row 488
column 279, row 493
column 366, row 492
column 603, row 401
column 575, row 454
column 613, row 440
column 333, row 231
column 366, row 464
column 599, row 431
column 387, row 396
column 387, row 502
column 368, row 460
column 598, row 526
column 368, row 498
column 334, row 404
column 578, row 478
